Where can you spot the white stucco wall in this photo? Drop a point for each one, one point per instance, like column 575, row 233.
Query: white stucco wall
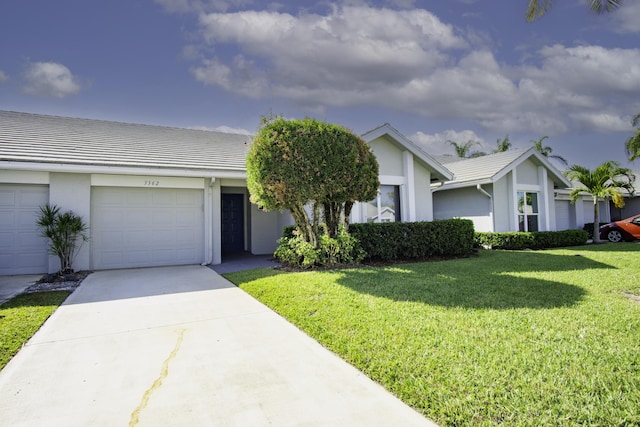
column 423, row 198
column 72, row 192
column 467, row 203
column 265, row 231
column 527, row 173
column 389, row 156
column 503, row 215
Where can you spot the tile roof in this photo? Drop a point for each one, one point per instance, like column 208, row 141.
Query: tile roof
column 489, row 168
column 39, row 138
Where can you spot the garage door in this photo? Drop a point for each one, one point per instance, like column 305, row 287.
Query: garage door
column 563, row 215
column 22, row 250
column 145, row 227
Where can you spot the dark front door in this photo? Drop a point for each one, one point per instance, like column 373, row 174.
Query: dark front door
column 232, row 222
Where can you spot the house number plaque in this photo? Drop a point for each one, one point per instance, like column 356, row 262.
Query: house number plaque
column 151, row 183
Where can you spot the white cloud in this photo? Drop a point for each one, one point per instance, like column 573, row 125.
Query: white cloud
column 352, row 49
column 50, row 79
column 602, row 122
column 411, row 61
column 626, row 19
column 3, row 77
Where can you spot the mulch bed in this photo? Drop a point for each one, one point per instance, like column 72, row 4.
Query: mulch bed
column 57, row 282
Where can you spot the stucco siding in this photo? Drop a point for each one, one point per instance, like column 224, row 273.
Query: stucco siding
column 466, row 203
column 527, row 173
column 424, row 202
column 502, row 196
column 265, row 231
column 72, row 192
column 388, row 155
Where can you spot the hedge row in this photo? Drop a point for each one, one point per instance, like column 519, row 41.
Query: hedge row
column 415, row 240
column 531, row 240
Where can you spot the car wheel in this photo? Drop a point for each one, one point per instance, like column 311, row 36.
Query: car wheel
column 614, row 236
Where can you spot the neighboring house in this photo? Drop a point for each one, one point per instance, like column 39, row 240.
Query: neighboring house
column 632, row 203
column 155, row 195
column 576, row 215
column 406, row 172
column 508, row 191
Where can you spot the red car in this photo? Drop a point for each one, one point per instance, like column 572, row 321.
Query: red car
column 626, row 229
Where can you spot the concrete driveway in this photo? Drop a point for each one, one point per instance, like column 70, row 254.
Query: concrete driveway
column 181, row 346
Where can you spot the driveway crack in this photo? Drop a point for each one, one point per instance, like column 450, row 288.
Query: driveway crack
column 164, row 372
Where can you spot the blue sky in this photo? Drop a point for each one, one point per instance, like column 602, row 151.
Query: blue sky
column 435, row 70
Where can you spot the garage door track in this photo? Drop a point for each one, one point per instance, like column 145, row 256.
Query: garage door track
column 183, row 346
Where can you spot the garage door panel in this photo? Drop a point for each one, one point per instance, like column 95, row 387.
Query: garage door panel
column 22, row 248
column 143, row 227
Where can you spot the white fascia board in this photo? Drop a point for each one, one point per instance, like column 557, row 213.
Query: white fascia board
column 532, row 152
column 456, row 185
column 120, row 170
column 387, row 129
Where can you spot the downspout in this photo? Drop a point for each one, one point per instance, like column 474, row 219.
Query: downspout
column 483, row 191
column 208, row 222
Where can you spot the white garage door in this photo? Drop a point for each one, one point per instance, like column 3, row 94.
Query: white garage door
column 22, row 249
column 145, row 227
column 563, row 215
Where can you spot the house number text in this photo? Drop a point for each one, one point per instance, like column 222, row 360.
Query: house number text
column 151, row 183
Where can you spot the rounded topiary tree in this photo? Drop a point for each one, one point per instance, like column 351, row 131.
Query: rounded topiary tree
column 323, row 166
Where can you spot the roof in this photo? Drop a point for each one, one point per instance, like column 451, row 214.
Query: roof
column 492, row 167
column 36, row 138
column 438, row 170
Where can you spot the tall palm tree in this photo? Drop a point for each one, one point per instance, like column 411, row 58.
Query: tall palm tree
column 607, row 181
column 463, row 150
column 546, row 150
column 537, row 8
column 503, row 145
column 632, row 145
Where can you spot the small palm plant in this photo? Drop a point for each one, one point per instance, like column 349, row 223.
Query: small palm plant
column 63, row 230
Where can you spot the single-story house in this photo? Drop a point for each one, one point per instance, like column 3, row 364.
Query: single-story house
column 508, row 191
column 632, row 202
column 154, row 195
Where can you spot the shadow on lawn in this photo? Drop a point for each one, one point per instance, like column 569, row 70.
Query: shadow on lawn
column 469, row 283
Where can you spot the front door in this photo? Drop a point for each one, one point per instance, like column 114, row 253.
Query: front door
column 232, row 222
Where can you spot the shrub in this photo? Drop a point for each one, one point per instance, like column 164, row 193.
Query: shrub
column 415, row 240
column 294, row 251
column 63, row 230
column 517, row 240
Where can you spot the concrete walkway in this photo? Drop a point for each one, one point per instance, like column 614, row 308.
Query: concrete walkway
column 181, row 346
column 10, row 286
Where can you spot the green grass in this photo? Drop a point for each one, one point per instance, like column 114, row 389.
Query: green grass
column 22, row 316
column 505, row 338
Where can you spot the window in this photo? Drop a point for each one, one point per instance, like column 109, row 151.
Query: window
column 385, row 207
column 527, row 211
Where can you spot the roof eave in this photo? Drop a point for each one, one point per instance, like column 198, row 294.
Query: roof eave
column 122, row 169
column 441, row 171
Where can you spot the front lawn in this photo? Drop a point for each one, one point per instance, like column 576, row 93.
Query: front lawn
column 506, row 338
column 22, row 316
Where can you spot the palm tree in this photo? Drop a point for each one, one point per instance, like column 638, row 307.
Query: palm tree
column 464, row 150
column 546, row 150
column 503, row 145
column 607, row 181
column 537, row 8
column 632, row 145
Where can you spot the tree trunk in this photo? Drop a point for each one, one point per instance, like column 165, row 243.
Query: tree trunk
column 596, row 220
column 304, row 226
column 347, row 213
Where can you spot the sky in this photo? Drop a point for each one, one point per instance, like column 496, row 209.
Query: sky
column 437, row 71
